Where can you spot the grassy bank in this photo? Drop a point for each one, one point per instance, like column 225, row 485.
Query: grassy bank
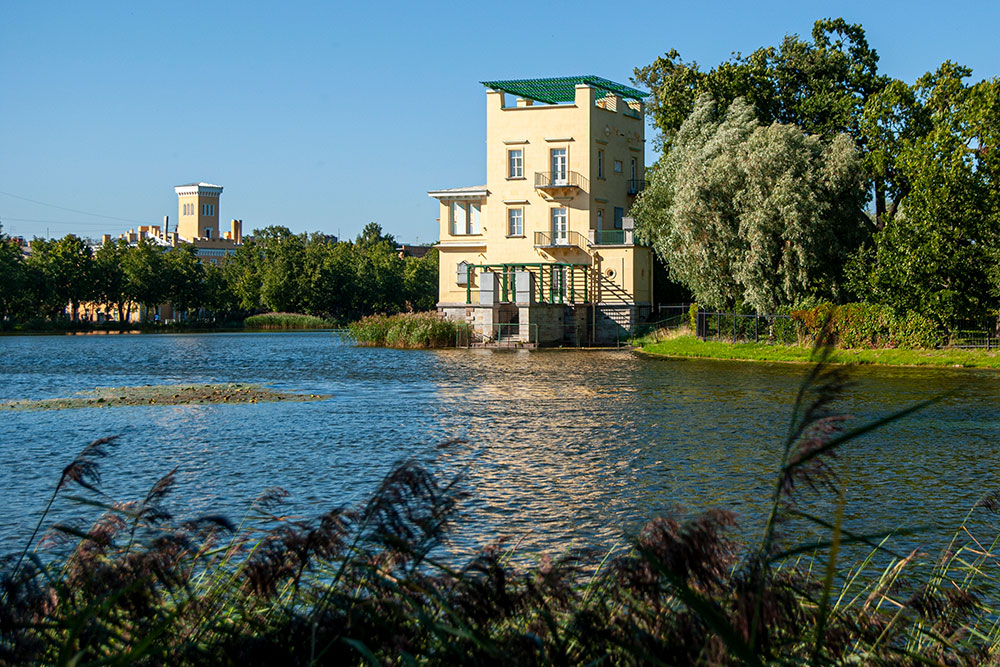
column 368, row 586
column 405, row 330
column 690, row 346
column 286, row 321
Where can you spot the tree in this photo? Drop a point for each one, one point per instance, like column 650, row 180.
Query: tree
column 938, row 251
column 110, row 282
column 378, row 274
column 372, row 235
column 146, row 275
column 420, row 281
column 186, row 277
column 748, row 214
column 281, row 270
column 12, row 280
column 822, row 86
column 62, row 274
column 328, row 277
column 218, row 295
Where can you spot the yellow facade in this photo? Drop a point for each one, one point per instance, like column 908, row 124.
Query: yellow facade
column 198, row 210
column 560, row 179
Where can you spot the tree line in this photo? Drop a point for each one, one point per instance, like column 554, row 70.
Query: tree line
column 273, row 270
column 799, row 173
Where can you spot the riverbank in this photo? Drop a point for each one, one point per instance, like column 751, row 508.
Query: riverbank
column 261, row 322
column 692, row 347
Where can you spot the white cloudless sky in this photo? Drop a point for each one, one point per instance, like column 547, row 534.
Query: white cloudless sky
column 324, row 116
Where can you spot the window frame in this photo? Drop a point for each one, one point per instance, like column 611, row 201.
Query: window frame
column 519, row 210
column 565, row 173
column 600, row 163
column 471, row 220
column 552, row 223
column 511, row 176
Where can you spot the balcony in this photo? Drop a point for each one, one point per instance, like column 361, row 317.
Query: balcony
column 636, row 185
column 560, row 183
column 568, row 240
column 611, row 237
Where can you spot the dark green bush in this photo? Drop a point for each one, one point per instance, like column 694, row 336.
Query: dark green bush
column 864, row 325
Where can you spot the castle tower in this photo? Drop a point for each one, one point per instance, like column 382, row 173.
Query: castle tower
column 198, row 210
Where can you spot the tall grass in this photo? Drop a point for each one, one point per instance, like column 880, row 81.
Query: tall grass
column 368, row 585
column 286, row 321
column 405, row 330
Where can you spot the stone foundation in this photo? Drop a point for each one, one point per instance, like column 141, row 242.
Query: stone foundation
column 545, row 324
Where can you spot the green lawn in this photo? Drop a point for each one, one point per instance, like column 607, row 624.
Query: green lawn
column 689, row 346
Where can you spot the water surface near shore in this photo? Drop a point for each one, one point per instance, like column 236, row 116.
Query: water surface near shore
column 561, row 448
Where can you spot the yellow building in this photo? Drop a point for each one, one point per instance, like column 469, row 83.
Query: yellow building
column 544, row 251
column 198, row 225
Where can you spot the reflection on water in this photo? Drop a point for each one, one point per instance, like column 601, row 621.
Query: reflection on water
column 564, row 448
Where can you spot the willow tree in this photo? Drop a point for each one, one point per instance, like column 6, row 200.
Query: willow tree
column 745, row 214
column 822, row 85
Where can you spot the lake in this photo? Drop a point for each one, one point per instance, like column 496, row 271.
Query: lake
column 562, row 448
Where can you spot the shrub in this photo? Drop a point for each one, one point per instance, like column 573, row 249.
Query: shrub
column 286, row 321
column 405, row 330
column 865, row 325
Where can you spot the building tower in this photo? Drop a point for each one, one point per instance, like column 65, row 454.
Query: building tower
column 545, row 251
column 198, row 210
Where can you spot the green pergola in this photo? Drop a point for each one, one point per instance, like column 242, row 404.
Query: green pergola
column 561, row 89
column 506, row 277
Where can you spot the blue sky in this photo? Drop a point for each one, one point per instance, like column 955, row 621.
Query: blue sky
column 323, row 116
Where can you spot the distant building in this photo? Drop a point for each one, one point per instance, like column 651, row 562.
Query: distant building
column 197, row 224
column 410, row 250
column 544, row 251
column 198, row 213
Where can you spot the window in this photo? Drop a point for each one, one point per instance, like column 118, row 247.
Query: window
column 619, row 214
column 515, row 163
column 208, row 232
column 618, row 166
column 560, row 225
column 559, row 166
column 465, row 218
column 459, row 222
column 600, row 164
column 515, row 222
column 600, row 218
column 474, row 218
column 635, row 171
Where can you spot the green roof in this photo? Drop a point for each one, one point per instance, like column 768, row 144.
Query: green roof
column 561, row 89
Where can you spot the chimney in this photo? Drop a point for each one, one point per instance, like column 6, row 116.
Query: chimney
column 105, row 239
column 237, row 231
column 166, row 224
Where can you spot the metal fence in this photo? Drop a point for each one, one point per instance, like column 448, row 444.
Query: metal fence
column 510, row 335
column 983, row 339
column 746, row 327
column 725, row 326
